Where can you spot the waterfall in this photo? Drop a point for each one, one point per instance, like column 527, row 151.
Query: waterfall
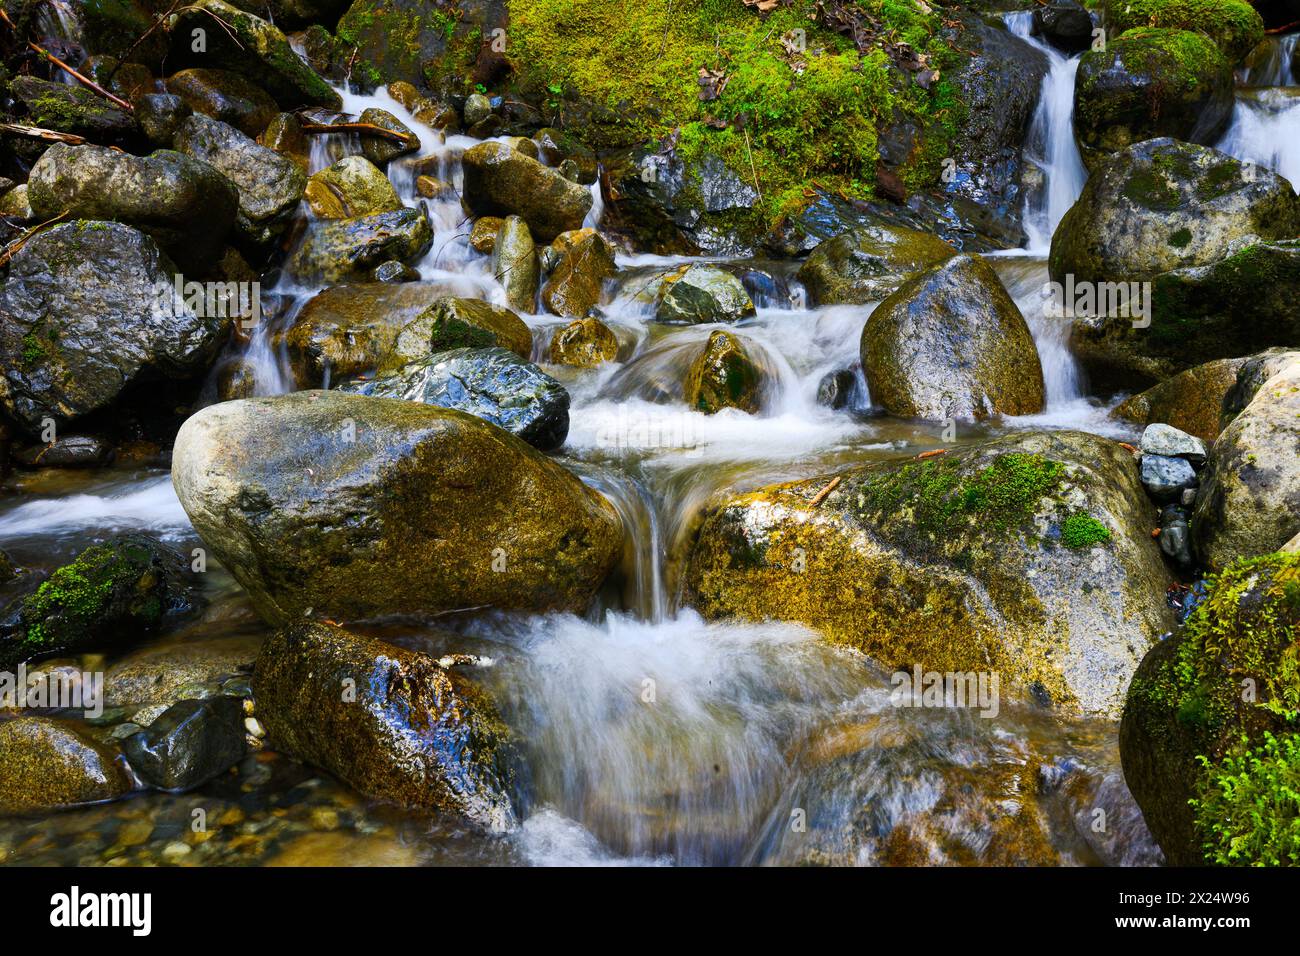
column 1265, row 127
column 1050, row 146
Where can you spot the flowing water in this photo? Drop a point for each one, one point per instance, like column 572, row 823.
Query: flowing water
column 651, row 736
column 1265, row 127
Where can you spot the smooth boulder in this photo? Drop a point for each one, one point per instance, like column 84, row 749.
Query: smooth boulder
column 702, row 293
column 951, row 343
column 339, row 250
column 48, row 764
column 380, row 506
column 352, row 187
column 501, row 181
column 868, row 263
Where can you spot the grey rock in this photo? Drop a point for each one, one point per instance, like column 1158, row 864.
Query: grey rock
column 1165, row 478
column 190, row 743
column 1161, row 439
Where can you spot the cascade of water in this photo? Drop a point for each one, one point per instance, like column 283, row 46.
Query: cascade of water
column 1051, row 145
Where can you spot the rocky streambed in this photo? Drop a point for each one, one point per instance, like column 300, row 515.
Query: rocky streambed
column 401, row 472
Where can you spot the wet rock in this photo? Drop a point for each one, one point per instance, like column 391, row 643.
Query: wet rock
column 47, row 764
column 390, row 507
column 836, row 389
column 584, row 343
column 483, row 234
column 159, row 115
column 270, row 185
column 14, row 204
column 1232, row 24
column 71, row 451
column 1165, row 478
column 575, row 284
column 501, row 181
column 350, row 329
column 1149, row 83
column 1189, row 401
column 168, row 673
column 1176, row 535
column 998, row 87
column 951, row 343
column 192, row 742
column 432, row 188
column 1254, row 371
column 1037, row 554
column 493, row 384
column 453, row 323
column 477, row 108
column 1186, row 713
column 394, row 271
column 112, row 594
column 514, row 264
column 71, row 109
column 555, row 147
column 352, row 187
column 1065, row 24
column 185, row 204
column 81, row 319
column 1162, row 439
column 338, row 250
column 1249, row 501
column 700, row 294
column 866, row 264
column 414, row 734
column 285, row 135
column 253, row 48
column 225, row 96
column 723, row 376
column 380, row 150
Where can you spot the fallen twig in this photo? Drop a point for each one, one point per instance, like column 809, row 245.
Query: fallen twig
column 830, row 486
column 40, row 132
column 932, row 453
column 365, row 129
column 13, row 248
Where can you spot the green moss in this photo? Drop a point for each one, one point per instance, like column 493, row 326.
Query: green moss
column 791, row 116
column 1232, row 24
column 1081, row 530
column 34, row 352
column 1248, row 811
column 453, row 333
column 1179, row 238
column 1002, row 496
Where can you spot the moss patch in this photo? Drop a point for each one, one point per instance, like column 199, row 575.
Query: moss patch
column 1249, row 807
column 1232, row 24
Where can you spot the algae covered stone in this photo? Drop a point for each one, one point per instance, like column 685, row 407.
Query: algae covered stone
column 702, row 293
column 337, row 250
column 1232, row 24
column 575, row 285
column 866, row 264
column 352, row 187
column 722, row 376
column 410, row 732
column 514, row 264
column 951, row 343
column 48, row 764
column 584, row 343
column 1189, row 400
column 1209, row 694
column 1030, row 556
column 351, row 506
column 454, row 322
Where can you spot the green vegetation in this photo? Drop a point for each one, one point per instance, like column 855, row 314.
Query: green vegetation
column 1232, row 24
column 1082, row 530
column 1002, row 496
column 795, row 102
column 1249, row 808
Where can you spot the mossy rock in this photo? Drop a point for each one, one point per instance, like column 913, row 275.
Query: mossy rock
column 501, row 181
column 722, row 376
column 352, row 187
column 1150, row 83
column 1214, row 690
column 701, row 293
column 71, row 109
column 1233, row 24
column 868, row 263
column 387, row 507
column 575, row 284
column 957, row 563
column 584, row 343
column 246, row 44
column 515, row 265
column 341, row 250
column 48, row 765
column 410, row 732
column 415, row 42
column 453, row 322
column 112, row 594
column 225, row 96
column 1189, row 401
column 951, row 343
